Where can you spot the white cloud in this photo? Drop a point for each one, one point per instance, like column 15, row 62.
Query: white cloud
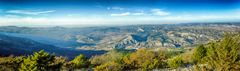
column 73, row 15
column 121, row 14
column 128, row 14
column 11, row 16
column 115, row 8
column 159, row 12
column 36, row 22
column 151, row 12
column 28, row 12
column 201, row 18
column 138, row 14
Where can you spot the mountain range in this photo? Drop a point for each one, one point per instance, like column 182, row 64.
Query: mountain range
column 71, row 41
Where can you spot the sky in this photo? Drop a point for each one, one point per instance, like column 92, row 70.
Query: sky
column 115, row 12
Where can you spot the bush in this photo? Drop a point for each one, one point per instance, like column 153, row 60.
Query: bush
column 16, row 63
column 144, row 59
column 175, row 62
column 187, row 57
column 109, row 66
column 58, row 63
column 7, row 63
column 113, row 55
column 162, row 56
column 199, row 53
column 111, row 61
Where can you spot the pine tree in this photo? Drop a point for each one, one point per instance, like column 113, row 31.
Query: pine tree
column 40, row 61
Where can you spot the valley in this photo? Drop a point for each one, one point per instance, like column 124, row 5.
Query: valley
column 124, row 37
column 70, row 42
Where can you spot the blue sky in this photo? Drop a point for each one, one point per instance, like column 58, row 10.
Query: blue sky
column 116, row 12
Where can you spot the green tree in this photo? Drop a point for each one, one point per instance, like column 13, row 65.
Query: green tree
column 224, row 55
column 40, row 61
column 80, row 61
column 175, row 62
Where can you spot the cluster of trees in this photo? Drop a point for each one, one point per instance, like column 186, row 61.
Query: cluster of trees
column 222, row 55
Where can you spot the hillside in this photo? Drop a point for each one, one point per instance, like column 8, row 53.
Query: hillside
column 16, row 46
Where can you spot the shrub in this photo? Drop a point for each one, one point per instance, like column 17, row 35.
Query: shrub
column 110, row 56
column 109, row 66
column 16, row 63
column 6, row 63
column 198, row 54
column 58, row 63
column 187, row 57
column 144, row 59
column 111, row 61
column 162, row 56
column 175, row 62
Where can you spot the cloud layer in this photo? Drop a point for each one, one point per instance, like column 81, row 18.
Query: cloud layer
column 27, row 12
column 152, row 12
column 90, row 21
column 113, row 16
column 159, row 12
column 121, row 14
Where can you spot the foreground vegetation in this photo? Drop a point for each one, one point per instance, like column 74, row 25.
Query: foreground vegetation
column 222, row 55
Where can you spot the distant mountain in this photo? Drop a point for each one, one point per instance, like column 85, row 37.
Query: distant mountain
column 172, row 35
column 10, row 45
column 125, row 37
column 21, row 46
column 44, row 39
